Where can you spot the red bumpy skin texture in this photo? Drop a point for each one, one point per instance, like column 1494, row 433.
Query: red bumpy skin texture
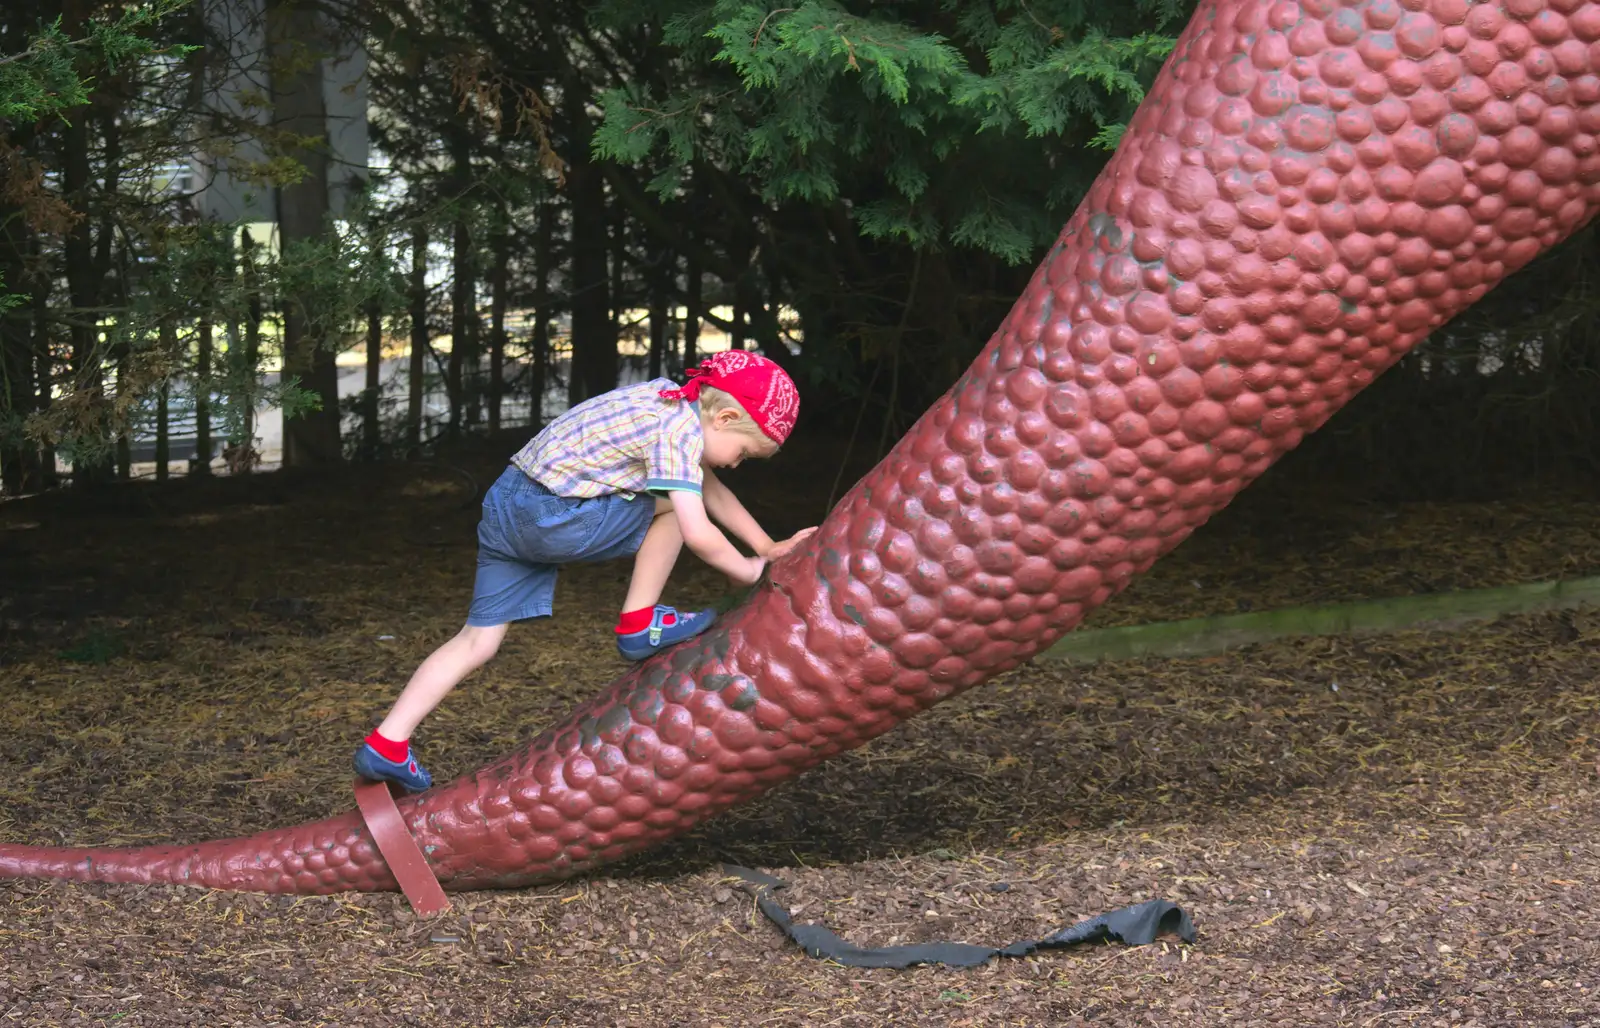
column 1308, row 190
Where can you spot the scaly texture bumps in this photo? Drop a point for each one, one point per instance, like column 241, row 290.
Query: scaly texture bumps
column 1308, row 190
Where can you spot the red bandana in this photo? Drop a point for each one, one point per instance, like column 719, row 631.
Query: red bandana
column 762, row 388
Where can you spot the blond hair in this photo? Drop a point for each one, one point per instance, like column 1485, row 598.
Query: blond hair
column 714, row 400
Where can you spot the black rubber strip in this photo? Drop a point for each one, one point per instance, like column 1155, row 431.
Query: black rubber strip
column 1137, row 925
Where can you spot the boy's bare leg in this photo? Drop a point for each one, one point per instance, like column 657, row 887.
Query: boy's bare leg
column 444, row 669
column 655, row 559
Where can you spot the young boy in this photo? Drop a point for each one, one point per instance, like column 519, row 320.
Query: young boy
column 628, row 472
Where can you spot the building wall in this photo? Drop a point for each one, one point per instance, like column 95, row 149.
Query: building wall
column 224, row 192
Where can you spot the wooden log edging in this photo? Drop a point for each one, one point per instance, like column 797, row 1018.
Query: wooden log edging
column 1194, row 637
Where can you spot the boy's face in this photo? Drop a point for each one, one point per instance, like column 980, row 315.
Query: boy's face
column 727, row 447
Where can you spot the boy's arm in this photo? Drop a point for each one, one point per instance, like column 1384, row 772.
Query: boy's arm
column 725, row 507
column 708, row 542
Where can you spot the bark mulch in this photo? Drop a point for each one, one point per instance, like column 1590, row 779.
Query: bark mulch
column 1374, row 832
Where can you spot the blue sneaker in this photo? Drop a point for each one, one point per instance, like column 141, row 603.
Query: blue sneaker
column 408, row 773
column 660, row 635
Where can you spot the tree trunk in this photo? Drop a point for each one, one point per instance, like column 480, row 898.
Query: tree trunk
column 19, row 458
column 472, row 354
column 594, row 341
column 763, row 326
column 691, row 313
column 107, row 110
column 660, row 321
column 736, row 331
column 417, row 368
column 46, row 363
column 370, row 431
column 371, row 395
column 19, row 471
column 83, row 290
column 124, row 445
column 163, row 443
column 20, row 394
column 619, row 255
column 543, row 254
column 169, row 344
column 461, row 290
column 252, row 351
column 501, row 248
column 295, row 45
column 201, row 387
column 766, row 335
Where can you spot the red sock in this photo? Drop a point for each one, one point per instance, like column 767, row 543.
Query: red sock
column 638, row 620
column 388, row 749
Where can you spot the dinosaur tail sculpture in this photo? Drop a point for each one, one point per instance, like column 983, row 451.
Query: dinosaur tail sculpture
column 1309, row 189
column 324, row 856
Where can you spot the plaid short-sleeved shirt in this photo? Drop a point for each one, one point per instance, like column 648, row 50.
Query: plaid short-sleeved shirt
column 629, row 440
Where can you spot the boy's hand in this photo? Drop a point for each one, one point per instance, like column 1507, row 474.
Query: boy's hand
column 780, row 549
column 750, row 572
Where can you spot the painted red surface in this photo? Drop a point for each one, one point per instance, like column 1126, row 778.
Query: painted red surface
column 1309, row 189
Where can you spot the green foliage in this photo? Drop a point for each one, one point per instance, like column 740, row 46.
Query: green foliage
column 336, row 276
column 1043, row 92
column 45, row 78
column 196, row 273
column 967, row 124
column 769, row 49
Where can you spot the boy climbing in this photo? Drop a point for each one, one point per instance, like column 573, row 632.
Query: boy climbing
column 627, row 472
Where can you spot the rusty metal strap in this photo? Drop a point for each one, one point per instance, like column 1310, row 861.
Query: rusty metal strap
column 1137, row 925
column 401, row 852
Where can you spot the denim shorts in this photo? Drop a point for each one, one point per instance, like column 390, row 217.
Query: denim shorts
column 527, row 532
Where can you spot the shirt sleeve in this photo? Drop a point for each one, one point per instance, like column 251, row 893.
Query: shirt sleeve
column 672, row 460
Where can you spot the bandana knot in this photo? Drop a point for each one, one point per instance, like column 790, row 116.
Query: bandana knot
column 763, row 389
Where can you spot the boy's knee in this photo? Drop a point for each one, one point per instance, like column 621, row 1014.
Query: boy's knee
column 482, row 643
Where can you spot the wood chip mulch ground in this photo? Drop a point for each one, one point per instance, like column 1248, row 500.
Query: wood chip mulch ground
column 1376, row 832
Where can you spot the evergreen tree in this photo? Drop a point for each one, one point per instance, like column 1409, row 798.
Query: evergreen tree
column 891, row 171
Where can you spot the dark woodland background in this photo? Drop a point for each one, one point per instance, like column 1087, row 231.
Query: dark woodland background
column 553, row 198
